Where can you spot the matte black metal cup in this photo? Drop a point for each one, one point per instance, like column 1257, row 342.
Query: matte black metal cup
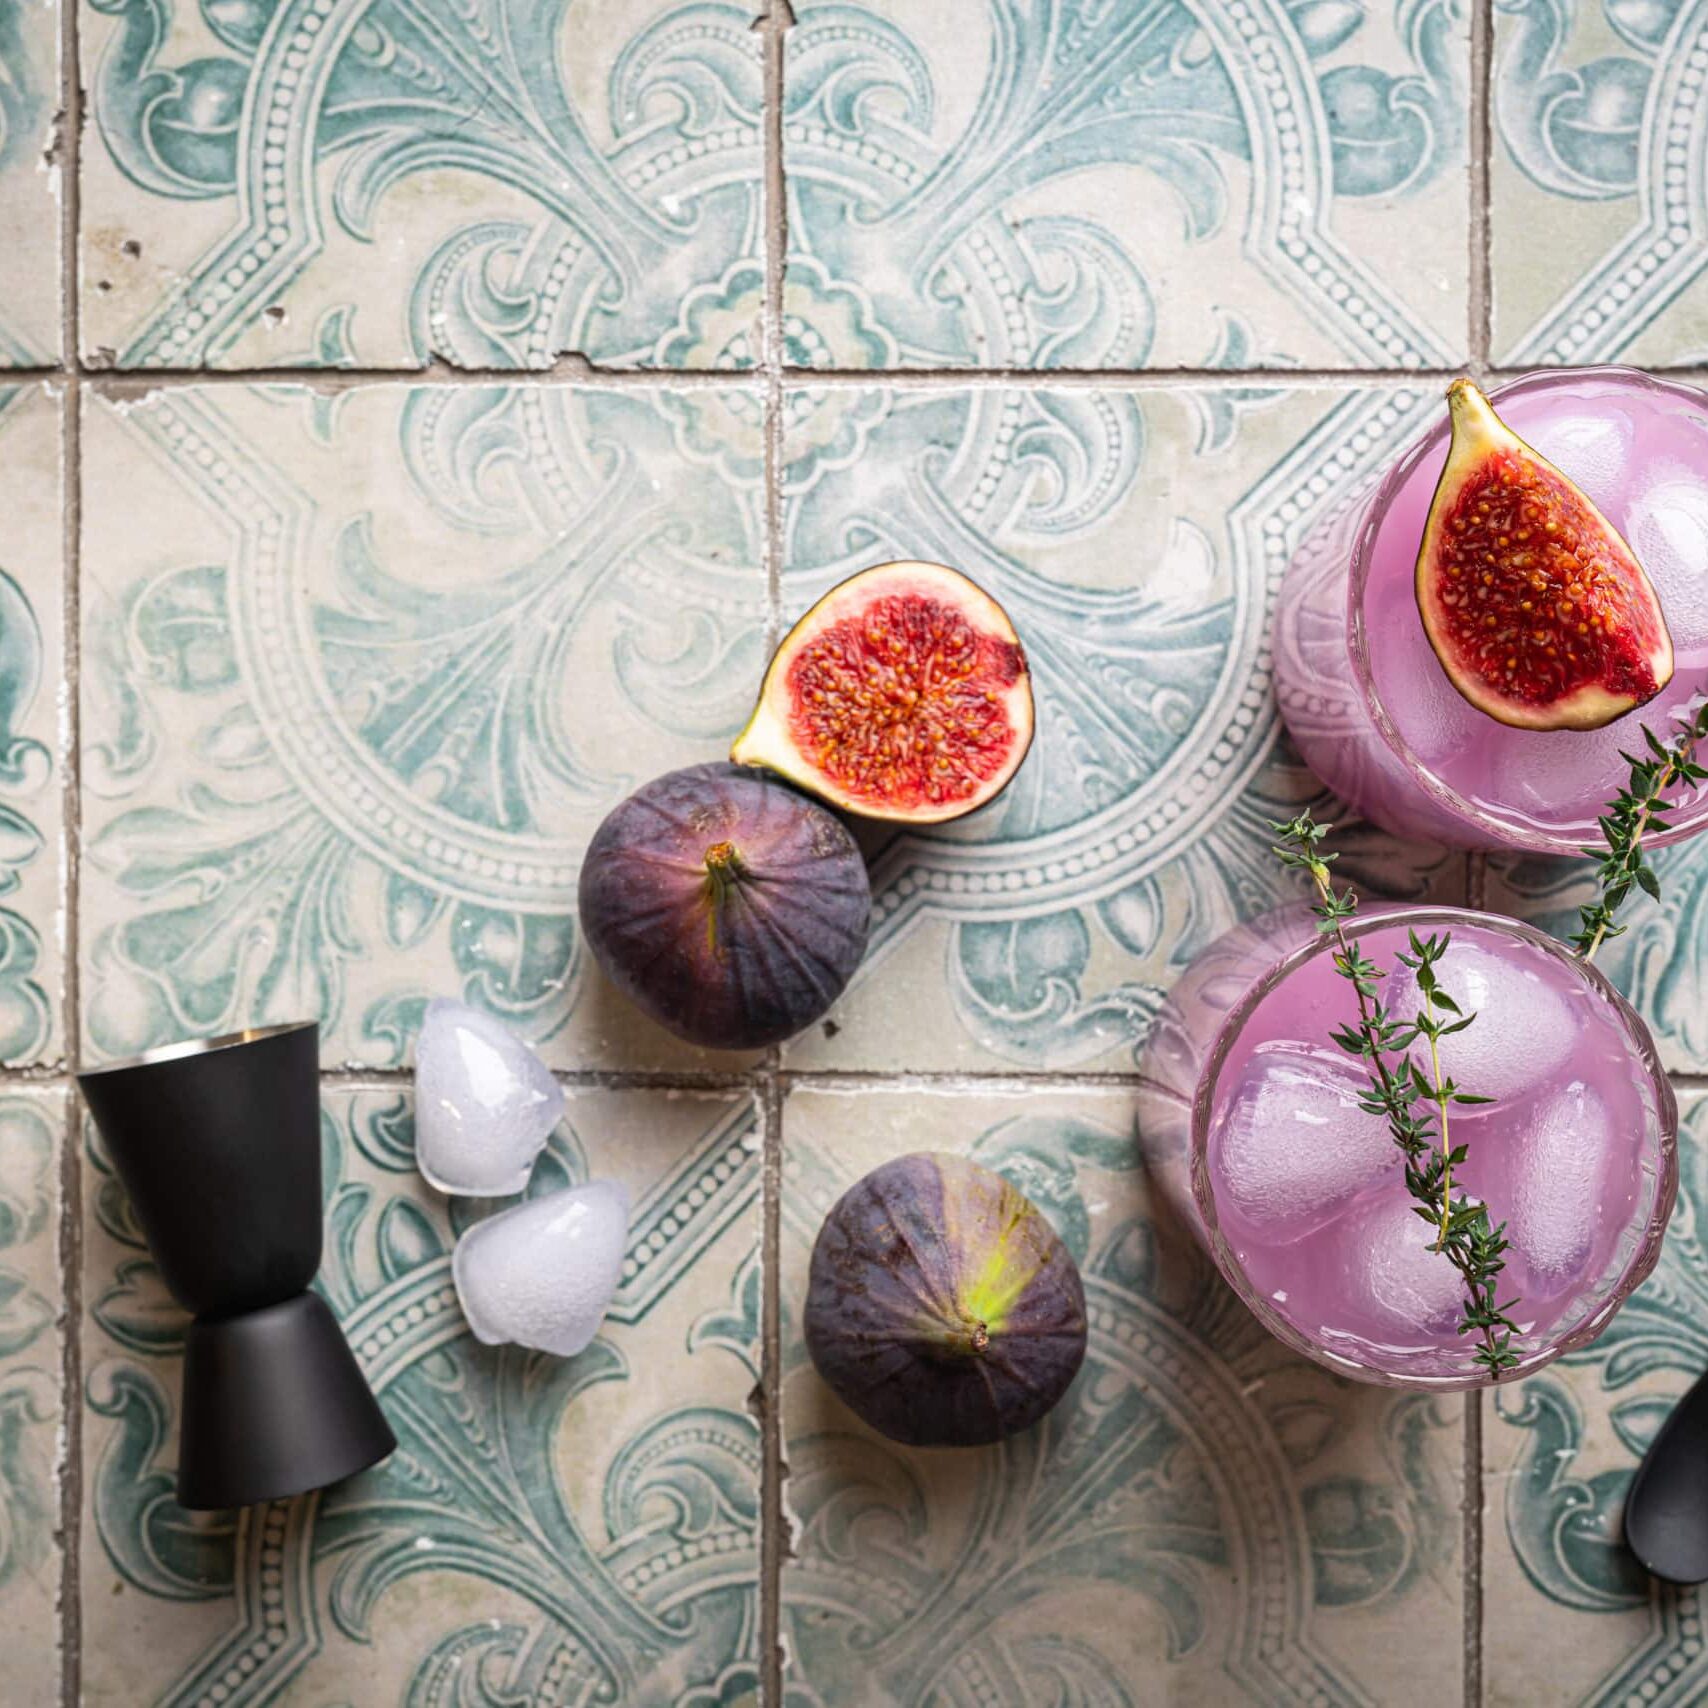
column 218, row 1144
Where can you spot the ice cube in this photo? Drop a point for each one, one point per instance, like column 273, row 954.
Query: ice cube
column 1294, row 1148
column 1555, row 1179
column 541, row 1274
column 1526, row 1028
column 484, row 1103
column 1392, row 1288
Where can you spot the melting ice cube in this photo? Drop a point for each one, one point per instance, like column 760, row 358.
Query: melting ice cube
column 484, row 1103
column 1294, row 1148
column 542, row 1273
column 1525, row 1031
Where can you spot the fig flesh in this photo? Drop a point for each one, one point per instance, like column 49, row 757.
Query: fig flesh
column 726, row 905
column 1535, row 606
column 903, row 694
column 942, row 1308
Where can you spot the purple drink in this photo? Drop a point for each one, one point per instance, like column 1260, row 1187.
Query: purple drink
column 1364, row 696
column 1250, row 1124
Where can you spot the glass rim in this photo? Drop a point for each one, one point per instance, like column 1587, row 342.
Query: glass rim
column 198, row 1047
column 1658, row 1211
column 1500, row 829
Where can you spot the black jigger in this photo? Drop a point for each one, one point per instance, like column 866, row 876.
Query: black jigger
column 218, row 1144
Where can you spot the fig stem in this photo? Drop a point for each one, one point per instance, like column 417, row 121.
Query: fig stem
column 724, row 866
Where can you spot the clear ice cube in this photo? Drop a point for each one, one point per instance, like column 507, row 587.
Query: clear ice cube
column 1294, row 1148
column 485, row 1104
column 1557, row 1174
column 541, row 1274
column 1392, row 1287
column 1525, row 1031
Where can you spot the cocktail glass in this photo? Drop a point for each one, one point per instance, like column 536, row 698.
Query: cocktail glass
column 1370, row 707
column 1250, row 1127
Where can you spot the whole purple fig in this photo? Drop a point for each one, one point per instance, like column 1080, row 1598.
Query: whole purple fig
column 726, row 905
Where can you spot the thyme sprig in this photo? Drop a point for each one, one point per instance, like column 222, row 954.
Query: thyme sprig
column 1636, row 811
column 1416, row 1103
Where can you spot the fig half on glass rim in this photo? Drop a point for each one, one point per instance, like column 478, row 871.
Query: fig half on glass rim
column 1537, row 608
column 902, row 694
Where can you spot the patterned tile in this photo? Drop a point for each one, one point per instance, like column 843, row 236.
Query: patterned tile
column 30, row 182
column 1137, row 539
column 1058, row 185
column 1599, row 211
column 32, row 695
column 1661, row 963
column 1204, row 1519
column 359, row 691
column 561, row 1530
column 328, row 182
column 1565, row 1601
column 32, row 1126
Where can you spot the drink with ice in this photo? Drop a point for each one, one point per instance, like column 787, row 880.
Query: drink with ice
column 1251, row 1124
column 1369, row 705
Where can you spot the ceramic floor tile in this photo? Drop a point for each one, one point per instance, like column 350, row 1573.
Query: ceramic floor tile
column 493, row 184
column 1565, row 1601
column 358, row 690
column 1125, row 186
column 32, row 674
column 1137, row 539
column 1661, row 963
column 1599, row 214
column 563, row 1530
column 30, row 183
column 32, row 1129
column 1204, row 1519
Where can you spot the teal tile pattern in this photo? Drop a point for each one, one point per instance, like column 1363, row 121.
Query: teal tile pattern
column 31, row 183
column 354, row 668
column 1137, row 539
column 32, row 1415
column 492, row 184
column 1558, row 1455
column 373, row 674
column 1599, row 211
column 996, row 183
column 1204, row 1518
column 564, row 1530
column 32, row 779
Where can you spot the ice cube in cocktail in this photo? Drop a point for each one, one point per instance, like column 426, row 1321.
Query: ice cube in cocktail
column 1364, row 696
column 1251, row 1125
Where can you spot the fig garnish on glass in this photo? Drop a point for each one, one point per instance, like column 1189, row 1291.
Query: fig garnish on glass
column 1537, row 609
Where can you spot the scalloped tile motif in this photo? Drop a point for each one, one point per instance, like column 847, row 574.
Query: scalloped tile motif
column 492, row 185
column 1125, row 186
column 368, row 680
column 1204, row 1512
column 567, row 1530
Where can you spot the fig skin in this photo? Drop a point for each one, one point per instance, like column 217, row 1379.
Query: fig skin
column 725, row 905
column 1536, row 608
column 942, row 1308
column 841, row 714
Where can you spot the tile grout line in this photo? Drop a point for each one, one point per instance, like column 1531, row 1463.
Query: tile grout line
column 134, row 383
column 773, row 25
column 71, row 1021
column 1480, row 313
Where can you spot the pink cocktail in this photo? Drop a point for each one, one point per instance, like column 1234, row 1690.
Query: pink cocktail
column 1368, row 704
column 1250, row 1125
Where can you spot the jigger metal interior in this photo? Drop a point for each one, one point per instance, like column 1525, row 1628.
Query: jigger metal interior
column 218, row 1144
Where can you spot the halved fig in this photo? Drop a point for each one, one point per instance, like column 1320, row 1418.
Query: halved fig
column 1536, row 607
column 902, row 694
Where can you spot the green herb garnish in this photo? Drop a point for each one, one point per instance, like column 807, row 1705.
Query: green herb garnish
column 1416, row 1103
column 1636, row 810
